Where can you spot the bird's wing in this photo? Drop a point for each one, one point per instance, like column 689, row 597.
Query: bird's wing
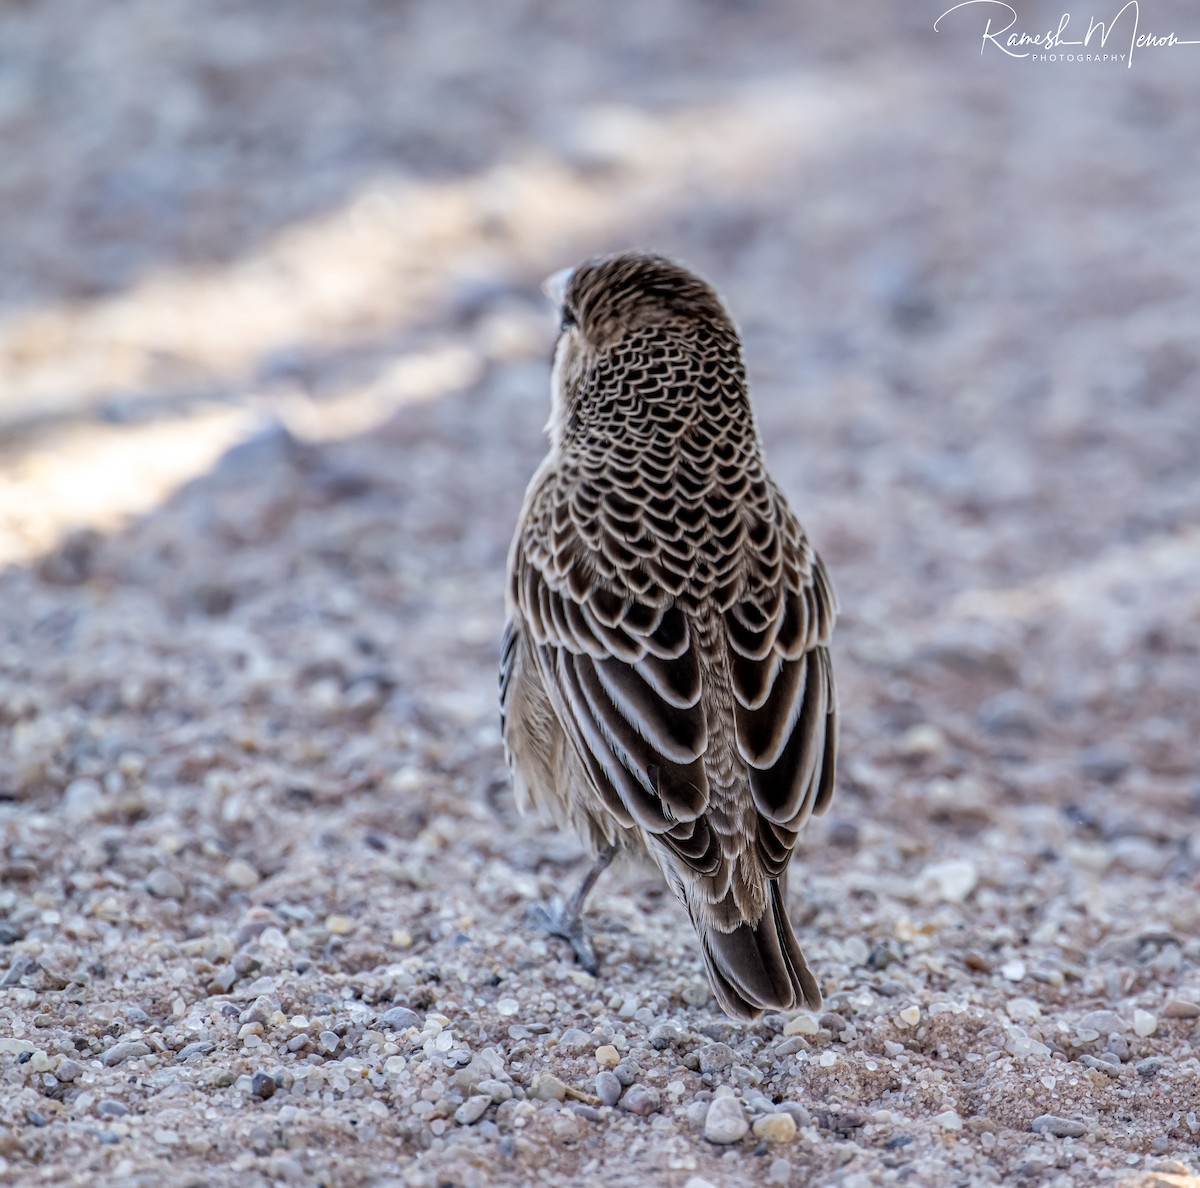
column 624, row 672
column 624, row 677
column 785, row 706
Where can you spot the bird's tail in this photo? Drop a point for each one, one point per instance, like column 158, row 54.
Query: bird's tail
column 758, row 966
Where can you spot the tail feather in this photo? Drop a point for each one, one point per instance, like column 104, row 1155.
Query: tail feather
column 758, row 966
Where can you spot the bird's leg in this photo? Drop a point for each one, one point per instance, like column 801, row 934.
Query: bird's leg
column 566, row 919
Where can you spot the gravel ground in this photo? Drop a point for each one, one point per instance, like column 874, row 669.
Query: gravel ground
column 273, row 370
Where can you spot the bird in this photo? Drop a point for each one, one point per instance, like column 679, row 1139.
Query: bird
column 666, row 687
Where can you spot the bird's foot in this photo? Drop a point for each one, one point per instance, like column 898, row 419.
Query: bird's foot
column 560, row 919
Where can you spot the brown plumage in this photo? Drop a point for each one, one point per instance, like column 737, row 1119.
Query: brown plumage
column 665, row 683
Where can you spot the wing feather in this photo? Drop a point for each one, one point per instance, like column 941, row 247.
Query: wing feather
column 620, row 661
column 785, row 705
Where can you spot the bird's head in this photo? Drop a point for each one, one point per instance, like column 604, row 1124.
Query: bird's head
column 636, row 329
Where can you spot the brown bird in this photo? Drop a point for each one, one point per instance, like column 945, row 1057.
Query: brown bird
column 665, row 682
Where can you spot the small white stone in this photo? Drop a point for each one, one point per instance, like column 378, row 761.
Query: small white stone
column 472, row 1109
column 949, row 1120
column 725, row 1121
column 802, row 1024
column 923, row 741
column 507, row 1007
column 910, row 1016
column 547, row 1087
column 1097, row 1023
column 1023, row 1010
column 780, row 1172
column 856, row 950
column 1013, row 970
column 240, row 874
column 950, row 882
column 1144, row 1023
column 1020, row 1044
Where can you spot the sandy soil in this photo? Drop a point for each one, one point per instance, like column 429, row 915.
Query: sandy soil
column 273, row 370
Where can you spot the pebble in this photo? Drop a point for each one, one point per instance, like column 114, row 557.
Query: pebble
column 240, row 874
column 107, row 1108
column 1012, row 713
column 725, row 1121
column 715, row 1058
column 547, row 1087
column 1019, row 1043
column 664, row 1035
column 223, row 979
column 1108, row 1068
column 339, row 925
column 507, row 1007
column 262, row 1085
column 68, row 1070
column 261, row 1010
column 400, row 1018
column 496, row 1091
column 82, row 798
column 608, row 1087
column 607, row 1056
column 1179, row 1008
column 640, row 1100
column 948, row 1120
column 627, row 1071
column 1103, row 1022
column 923, row 741
column 780, row 1172
column 164, row 884
column 1144, row 1023
column 799, row 1113
column 1059, row 1127
column 802, row 1024
column 948, row 882
column 127, row 1050
column 1104, row 764
column 775, row 1128
column 575, row 1040
column 472, row 1109
column 1023, row 1010
column 910, row 1016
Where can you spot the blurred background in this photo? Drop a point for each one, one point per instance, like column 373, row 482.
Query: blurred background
column 273, row 374
column 960, row 274
column 967, row 283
